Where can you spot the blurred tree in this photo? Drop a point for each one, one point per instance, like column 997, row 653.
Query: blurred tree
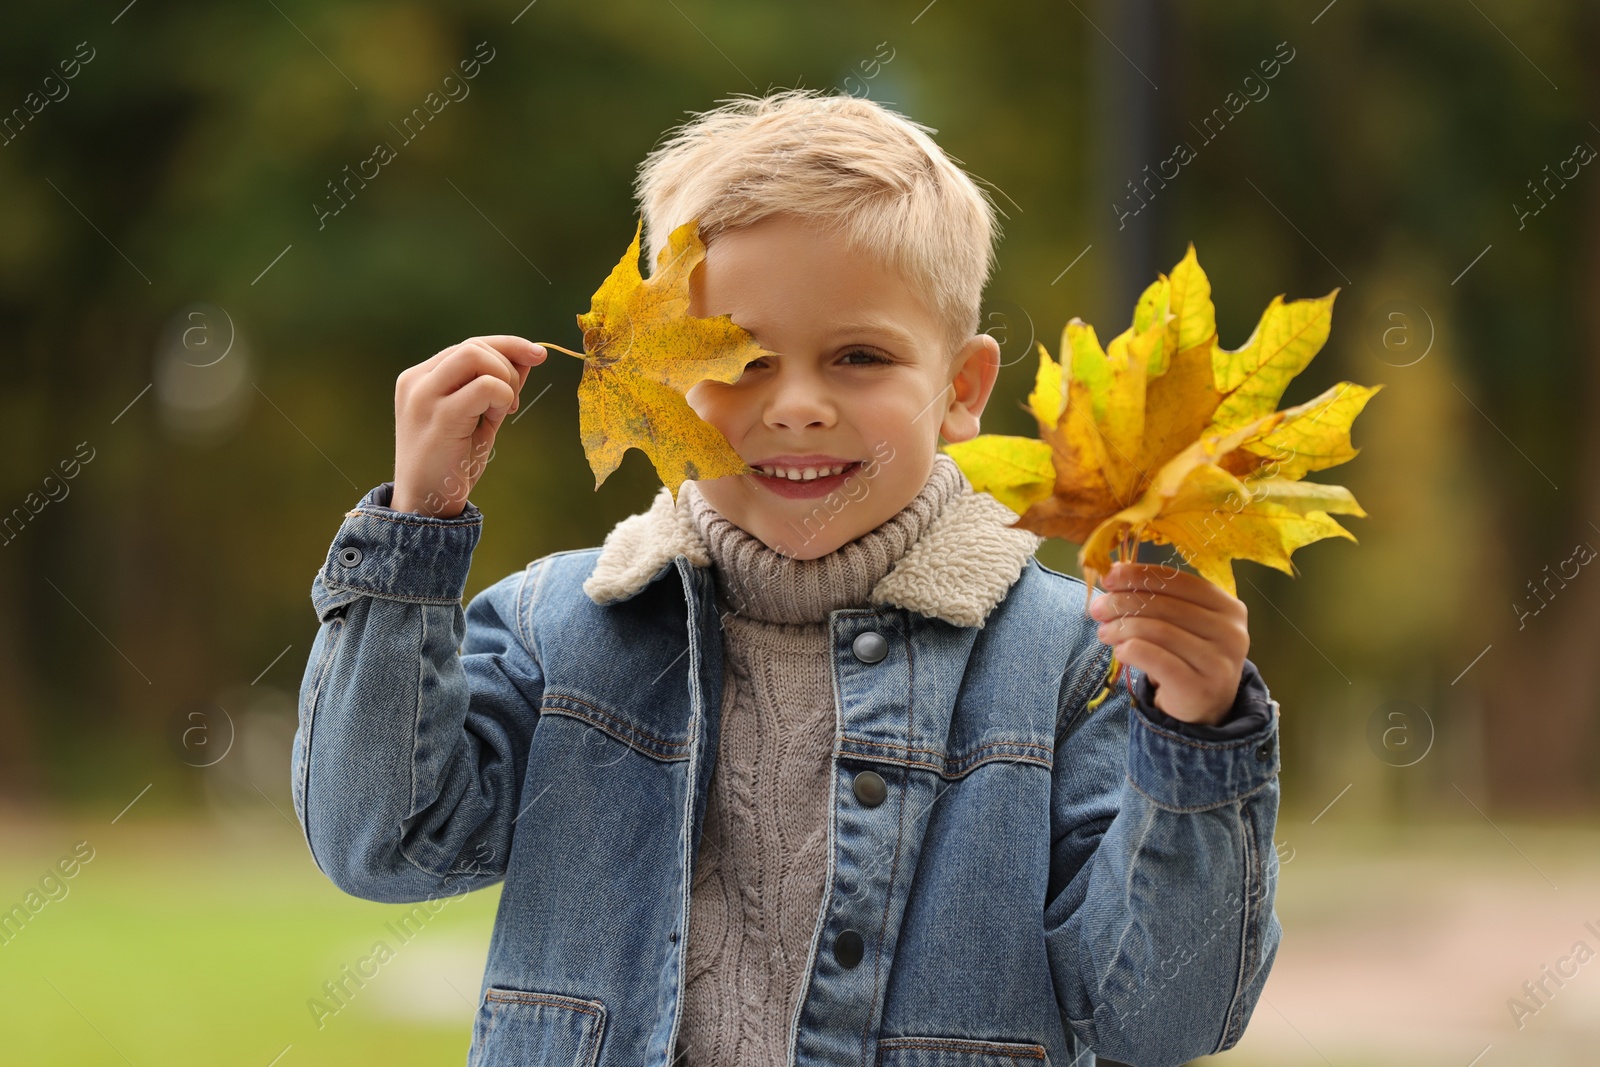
column 184, row 162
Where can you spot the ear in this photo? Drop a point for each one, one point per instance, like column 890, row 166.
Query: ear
column 972, row 376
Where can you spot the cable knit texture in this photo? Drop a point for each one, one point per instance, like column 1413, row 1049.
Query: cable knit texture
column 758, row 886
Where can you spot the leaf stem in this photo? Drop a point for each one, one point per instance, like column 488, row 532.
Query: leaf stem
column 558, row 348
column 1107, row 685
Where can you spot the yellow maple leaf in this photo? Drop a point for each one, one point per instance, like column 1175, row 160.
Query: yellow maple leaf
column 642, row 353
column 1165, row 436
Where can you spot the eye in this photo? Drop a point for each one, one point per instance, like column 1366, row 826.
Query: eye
column 871, row 357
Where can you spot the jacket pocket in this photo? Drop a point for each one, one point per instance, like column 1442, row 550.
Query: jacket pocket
column 958, row 1052
column 524, row 1028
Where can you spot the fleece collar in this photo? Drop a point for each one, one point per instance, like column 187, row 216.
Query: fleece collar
column 958, row 570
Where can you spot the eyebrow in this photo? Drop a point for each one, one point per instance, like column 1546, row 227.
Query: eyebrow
column 881, row 328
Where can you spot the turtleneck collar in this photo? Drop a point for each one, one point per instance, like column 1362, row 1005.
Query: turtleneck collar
column 761, row 584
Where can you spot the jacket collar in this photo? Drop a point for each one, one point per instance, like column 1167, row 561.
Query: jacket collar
column 973, row 528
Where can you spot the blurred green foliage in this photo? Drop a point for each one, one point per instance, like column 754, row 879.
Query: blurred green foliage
column 184, row 164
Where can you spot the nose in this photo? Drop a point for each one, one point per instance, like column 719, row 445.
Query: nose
column 798, row 400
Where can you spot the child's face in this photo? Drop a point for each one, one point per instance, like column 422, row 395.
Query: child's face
column 861, row 377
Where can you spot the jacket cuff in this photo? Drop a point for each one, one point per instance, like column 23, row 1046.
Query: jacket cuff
column 400, row 555
column 1252, row 708
column 1182, row 768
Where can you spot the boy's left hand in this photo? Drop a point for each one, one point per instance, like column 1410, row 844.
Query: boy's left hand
column 1188, row 635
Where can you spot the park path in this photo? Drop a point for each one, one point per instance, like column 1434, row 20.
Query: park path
column 1403, row 947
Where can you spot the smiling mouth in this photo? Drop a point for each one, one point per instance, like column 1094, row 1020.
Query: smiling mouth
column 806, row 474
column 794, row 483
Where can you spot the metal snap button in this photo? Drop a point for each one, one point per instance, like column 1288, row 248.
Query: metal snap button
column 1264, row 753
column 848, row 948
column 869, row 646
column 350, row 556
column 870, row 788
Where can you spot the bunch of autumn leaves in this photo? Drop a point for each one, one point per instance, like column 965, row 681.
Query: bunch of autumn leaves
column 1161, row 436
column 1165, row 436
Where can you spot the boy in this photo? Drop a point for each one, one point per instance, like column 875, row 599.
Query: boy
column 802, row 768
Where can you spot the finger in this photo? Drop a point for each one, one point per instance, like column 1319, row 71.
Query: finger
column 1108, row 606
column 523, row 354
column 467, row 364
column 523, row 370
column 1202, row 636
column 517, row 349
column 1224, row 629
column 486, row 398
column 1195, row 651
column 422, row 369
column 1156, row 577
column 1171, row 675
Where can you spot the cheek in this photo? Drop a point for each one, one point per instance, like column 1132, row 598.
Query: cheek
column 890, row 406
column 901, row 416
column 704, row 401
column 731, row 410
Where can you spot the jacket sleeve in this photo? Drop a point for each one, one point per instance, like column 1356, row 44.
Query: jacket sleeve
column 415, row 717
column 1252, row 707
column 1159, row 919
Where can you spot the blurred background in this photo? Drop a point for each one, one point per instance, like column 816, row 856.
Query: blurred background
column 200, row 337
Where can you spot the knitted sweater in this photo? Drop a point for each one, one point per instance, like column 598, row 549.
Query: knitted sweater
column 758, row 885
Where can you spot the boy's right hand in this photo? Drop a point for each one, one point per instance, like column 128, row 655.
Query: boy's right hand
column 447, row 410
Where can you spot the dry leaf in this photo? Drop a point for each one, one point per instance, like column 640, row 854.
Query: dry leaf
column 1165, row 436
column 642, row 352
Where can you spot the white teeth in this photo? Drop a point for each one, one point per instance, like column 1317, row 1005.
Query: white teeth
column 803, row 474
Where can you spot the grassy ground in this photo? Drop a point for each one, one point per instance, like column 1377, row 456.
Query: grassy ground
column 187, row 944
column 201, row 943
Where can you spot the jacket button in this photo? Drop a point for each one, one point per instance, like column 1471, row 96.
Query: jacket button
column 848, row 948
column 869, row 647
column 350, row 556
column 1264, row 752
column 870, row 788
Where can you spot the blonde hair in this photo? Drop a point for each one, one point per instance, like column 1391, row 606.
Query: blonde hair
column 851, row 164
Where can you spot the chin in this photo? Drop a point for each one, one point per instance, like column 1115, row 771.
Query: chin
column 782, row 538
column 810, row 551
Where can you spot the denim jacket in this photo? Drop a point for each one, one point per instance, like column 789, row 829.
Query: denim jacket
column 1043, row 881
